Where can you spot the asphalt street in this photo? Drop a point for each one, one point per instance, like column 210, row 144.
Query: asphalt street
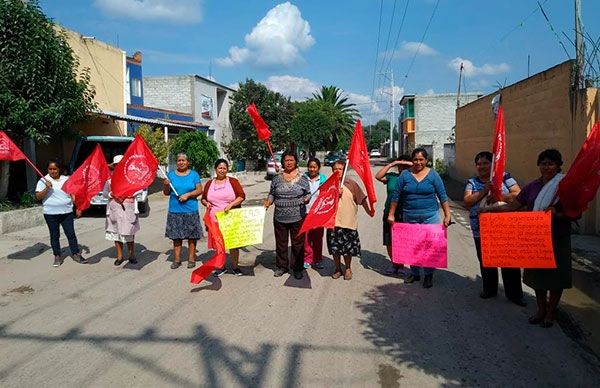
column 98, row 325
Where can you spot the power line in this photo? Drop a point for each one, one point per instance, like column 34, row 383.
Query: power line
column 377, row 51
column 420, row 43
column 553, row 30
column 397, row 36
column 388, row 37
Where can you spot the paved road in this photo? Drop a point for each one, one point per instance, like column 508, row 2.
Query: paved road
column 146, row 325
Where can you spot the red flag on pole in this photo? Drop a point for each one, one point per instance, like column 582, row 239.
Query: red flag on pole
column 135, row 171
column 323, row 211
column 9, row 150
column 88, row 180
column 261, row 127
column 216, row 242
column 358, row 158
column 499, row 160
column 581, row 183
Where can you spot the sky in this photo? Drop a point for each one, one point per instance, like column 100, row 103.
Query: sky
column 357, row 45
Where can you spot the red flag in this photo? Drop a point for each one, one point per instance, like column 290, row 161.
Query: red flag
column 581, row 183
column 88, row 180
column 261, row 127
column 9, row 150
column 323, row 210
column 358, row 158
column 135, row 171
column 216, row 242
column 499, row 151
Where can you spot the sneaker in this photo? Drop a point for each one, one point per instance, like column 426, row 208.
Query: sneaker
column 412, row 279
column 306, row 265
column 279, row 272
column 132, row 260
column 57, row 261
column 80, row 259
column 318, row 266
column 191, row 264
column 298, row 275
column 175, row 264
column 237, row 272
column 219, row 272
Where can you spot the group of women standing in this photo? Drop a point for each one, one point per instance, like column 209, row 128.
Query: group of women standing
column 414, row 195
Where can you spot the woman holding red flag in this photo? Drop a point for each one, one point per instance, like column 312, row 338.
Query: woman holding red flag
column 58, row 210
column 122, row 222
column 343, row 240
column 224, row 193
column 183, row 220
column 539, row 195
column 313, row 242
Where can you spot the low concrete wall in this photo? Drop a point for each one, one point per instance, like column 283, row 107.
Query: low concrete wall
column 15, row 220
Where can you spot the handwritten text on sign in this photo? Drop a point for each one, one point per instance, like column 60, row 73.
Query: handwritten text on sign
column 424, row 245
column 242, row 227
column 517, row 240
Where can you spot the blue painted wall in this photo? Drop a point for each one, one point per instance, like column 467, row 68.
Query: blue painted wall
column 149, row 113
column 135, row 71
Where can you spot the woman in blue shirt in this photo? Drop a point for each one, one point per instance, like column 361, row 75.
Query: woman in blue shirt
column 420, row 188
column 476, row 191
column 183, row 220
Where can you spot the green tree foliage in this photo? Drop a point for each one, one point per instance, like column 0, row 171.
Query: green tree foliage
column 201, row 151
column 41, row 93
column 316, row 125
column 377, row 134
column 274, row 108
column 155, row 139
column 347, row 114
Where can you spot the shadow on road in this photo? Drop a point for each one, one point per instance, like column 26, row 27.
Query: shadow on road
column 462, row 340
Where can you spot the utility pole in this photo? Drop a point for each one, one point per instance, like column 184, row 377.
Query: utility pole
column 459, row 82
column 579, row 46
column 393, row 110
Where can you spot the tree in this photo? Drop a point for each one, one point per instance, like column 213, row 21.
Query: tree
column 274, row 108
column 347, row 114
column 314, row 124
column 377, row 134
column 200, row 150
column 41, row 92
column 155, row 139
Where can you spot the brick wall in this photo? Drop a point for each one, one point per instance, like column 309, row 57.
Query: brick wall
column 174, row 93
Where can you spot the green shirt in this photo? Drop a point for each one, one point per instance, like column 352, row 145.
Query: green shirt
column 392, row 180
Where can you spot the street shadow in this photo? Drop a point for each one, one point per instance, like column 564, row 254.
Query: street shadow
column 464, row 341
column 215, row 284
column 29, row 252
column 305, row 282
column 374, row 261
column 143, row 255
column 266, row 258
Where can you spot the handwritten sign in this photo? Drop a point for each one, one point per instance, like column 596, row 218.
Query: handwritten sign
column 242, row 227
column 517, row 240
column 424, row 245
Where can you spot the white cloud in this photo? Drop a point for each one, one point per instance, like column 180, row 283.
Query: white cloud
column 429, row 92
column 385, row 93
column 172, row 11
column 408, row 49
column 276, row 41
column 296, row 88
column 471, row 70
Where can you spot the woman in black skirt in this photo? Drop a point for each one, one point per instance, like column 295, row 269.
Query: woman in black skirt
column 183, row 220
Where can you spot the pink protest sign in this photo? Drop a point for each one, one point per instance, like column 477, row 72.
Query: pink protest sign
column 424, row 245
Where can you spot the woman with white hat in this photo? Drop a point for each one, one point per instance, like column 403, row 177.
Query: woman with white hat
column 122, row 221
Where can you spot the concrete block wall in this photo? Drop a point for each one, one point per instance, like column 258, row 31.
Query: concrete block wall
column 434, row 120
column 172, row 92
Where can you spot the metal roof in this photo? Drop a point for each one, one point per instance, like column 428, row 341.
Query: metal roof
column 141, row 120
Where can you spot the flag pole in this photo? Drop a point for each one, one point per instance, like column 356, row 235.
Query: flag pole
column 272, row 155
column 165, row 175
column 35, row 168
column 345, row 171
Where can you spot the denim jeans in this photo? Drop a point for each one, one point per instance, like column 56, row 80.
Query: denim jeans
column 426, row 218
column 54, row 221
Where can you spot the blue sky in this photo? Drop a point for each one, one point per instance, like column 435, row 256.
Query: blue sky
column 294, row 47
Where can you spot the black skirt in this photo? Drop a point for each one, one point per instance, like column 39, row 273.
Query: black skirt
column 343, row 241
column 183, row 226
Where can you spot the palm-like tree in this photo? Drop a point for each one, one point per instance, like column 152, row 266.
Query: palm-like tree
column 347, row 112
